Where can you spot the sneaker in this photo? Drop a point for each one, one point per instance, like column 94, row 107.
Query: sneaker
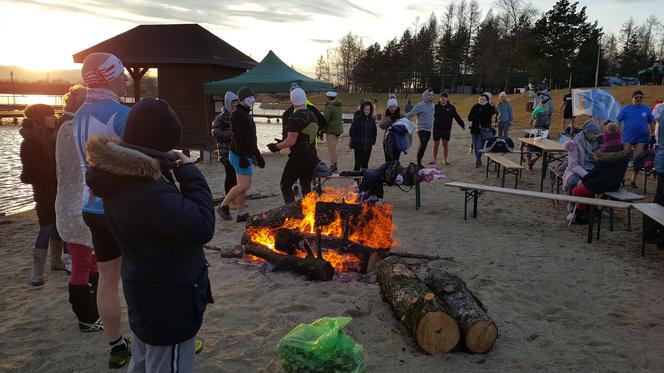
column 120, row 354
column 198, row 346
column 97, row 326
column 242, row 218
column 432, row 163
column 333, row 168
column 224, row 212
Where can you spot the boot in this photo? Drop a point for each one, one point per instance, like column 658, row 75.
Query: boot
column 84, row 304
column 38, row 263
column 56, row 255
column 93, row 279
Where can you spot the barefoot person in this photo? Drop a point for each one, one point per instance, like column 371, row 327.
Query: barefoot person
column 103, row 114
column 301, row 129
column 444, row 113
column 335, row 126
column 243, row 154
column 161, row 228
column 68, row 203
column 38, row 161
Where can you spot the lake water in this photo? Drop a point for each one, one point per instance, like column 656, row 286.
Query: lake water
column 16, row 196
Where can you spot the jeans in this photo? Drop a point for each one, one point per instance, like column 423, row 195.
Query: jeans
column 46, row 234
column 299, row 166
column 424, row 141
column 503, row 128
column 362, row 157
column 478, row 145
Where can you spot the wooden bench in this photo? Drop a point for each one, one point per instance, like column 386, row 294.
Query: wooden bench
column 653, row 211
column 623, row 196
column 319, row 181
column 509, row 167
column 473, row 191
column 648, row 172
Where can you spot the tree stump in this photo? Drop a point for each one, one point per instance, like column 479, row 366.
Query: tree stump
column 434, row 329
column 479, row 332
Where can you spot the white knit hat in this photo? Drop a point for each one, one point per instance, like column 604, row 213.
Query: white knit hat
column 331, row 94
column 298, row 97
column 392, row 102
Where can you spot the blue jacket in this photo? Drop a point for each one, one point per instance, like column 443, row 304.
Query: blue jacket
column 161, row 231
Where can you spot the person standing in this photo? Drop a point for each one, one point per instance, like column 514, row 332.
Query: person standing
column 363, row 133
column 480, row 116
column 540, row 119
column 568, row 116
column 243, row 154
column 301, row 129
column 444, row 113
column 505, row 115
column 222, row 133
column 161, row 227
column 69, row 219
column 424, row 111
column 638, row 125
column 38, row 169
column 653, row 231
column 409, row 105
column 392, row 115
column 335, row 126
column 320, row 118
column 103, row 114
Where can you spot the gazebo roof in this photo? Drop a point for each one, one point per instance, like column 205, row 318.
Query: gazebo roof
column 152, row 45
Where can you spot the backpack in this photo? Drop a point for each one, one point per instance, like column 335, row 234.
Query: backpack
column 499, row 144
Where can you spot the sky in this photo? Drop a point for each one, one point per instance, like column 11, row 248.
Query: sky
column 43, row 34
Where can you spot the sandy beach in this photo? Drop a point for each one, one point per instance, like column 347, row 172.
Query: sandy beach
column 560, row 304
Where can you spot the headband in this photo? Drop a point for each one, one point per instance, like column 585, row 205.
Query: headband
column 105, row 73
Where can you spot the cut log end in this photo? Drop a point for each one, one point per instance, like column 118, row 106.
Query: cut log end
column 437, row 332
column 481, row 336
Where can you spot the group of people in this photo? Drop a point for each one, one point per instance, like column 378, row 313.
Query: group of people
column 107, row 182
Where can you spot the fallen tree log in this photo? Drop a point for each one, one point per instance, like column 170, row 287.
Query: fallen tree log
column 312, row 267
column 478, row 331
column 434, row 329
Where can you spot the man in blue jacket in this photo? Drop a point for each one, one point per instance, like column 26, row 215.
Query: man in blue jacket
column 638, row 125
column 161, row 230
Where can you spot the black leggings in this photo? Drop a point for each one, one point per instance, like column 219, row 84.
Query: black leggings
column 298, row 166
column 424, row 141
column 231, row 179
column 361, row 159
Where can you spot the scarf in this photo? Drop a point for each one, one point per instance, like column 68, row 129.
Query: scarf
column 587, row 149
column 100, row 94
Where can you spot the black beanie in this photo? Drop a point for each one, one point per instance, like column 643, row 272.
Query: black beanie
column 244, row 92
column 152, row 123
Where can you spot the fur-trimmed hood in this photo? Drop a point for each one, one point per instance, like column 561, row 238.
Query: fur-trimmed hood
column 612, row 154
column 109, row 156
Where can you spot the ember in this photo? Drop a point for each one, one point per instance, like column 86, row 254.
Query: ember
column 348, row 236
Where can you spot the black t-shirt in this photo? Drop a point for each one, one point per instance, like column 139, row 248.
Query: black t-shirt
column 303, row 122
column 567, row 111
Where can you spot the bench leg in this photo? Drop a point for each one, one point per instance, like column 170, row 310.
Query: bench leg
column 475, row 197
column 516, row 179
column 502, row 184
column 611, row 219
column 521, row 156
column 643, row 237
column 488, row 162
column 497, row 169
column 466, row 195
column 417, row 196
column 545, row 165
column 590, row 223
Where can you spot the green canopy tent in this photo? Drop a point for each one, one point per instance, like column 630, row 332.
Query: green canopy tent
column 271, row 75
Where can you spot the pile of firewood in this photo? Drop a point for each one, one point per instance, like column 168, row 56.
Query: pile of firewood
column 436, row 307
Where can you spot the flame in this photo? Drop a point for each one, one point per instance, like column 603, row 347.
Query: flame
column 374, row 227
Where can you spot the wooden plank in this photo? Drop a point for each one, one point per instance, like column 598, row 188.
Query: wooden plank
column 545, row 144
column 505, row 162
column 651, row 210
column 624, row 196
column 550, row 196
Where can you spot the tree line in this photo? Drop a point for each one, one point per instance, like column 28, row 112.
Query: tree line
column 509, row 46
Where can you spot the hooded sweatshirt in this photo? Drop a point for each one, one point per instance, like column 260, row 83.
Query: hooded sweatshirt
column 424, row 111
column 221, row 127
column 333, row 116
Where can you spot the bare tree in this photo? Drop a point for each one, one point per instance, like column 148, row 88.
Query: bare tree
column 322, row 69
column 348, row 52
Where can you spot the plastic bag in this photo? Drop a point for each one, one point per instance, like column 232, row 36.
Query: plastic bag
column 321, row 346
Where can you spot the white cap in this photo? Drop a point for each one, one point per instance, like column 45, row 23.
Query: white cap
column 331, row 94
column 392, row 102
column 298, row 97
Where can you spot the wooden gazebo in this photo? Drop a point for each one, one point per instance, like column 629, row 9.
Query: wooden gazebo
column 186, row 56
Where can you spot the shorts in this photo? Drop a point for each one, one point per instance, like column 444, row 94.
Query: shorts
column 235, row 162
column 441, row 135
column 103, row 242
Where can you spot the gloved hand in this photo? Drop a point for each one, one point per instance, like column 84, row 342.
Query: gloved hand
column 244, row 162
column 273, row 147
column 259, row 161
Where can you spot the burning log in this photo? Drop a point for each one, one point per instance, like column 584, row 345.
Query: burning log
column 276, row 217
column 434, row 329
column 315, row 268
column 236, row 251
column 478, row 330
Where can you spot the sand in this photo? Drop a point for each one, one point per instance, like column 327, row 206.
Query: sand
column 560, row 304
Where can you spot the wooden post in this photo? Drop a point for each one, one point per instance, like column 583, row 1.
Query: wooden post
column 136, row 75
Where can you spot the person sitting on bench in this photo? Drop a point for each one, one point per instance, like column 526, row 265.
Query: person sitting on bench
column 580, row 154
column 608, row 173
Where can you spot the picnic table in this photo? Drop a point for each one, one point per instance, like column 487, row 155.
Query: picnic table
column 551, row 151
column 653, row 211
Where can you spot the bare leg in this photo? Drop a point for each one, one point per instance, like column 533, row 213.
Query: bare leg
column 108, row 297
column 332, row 148
column 239, row 192
column 435, row 150
column 445, row 142
column 638, row 149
